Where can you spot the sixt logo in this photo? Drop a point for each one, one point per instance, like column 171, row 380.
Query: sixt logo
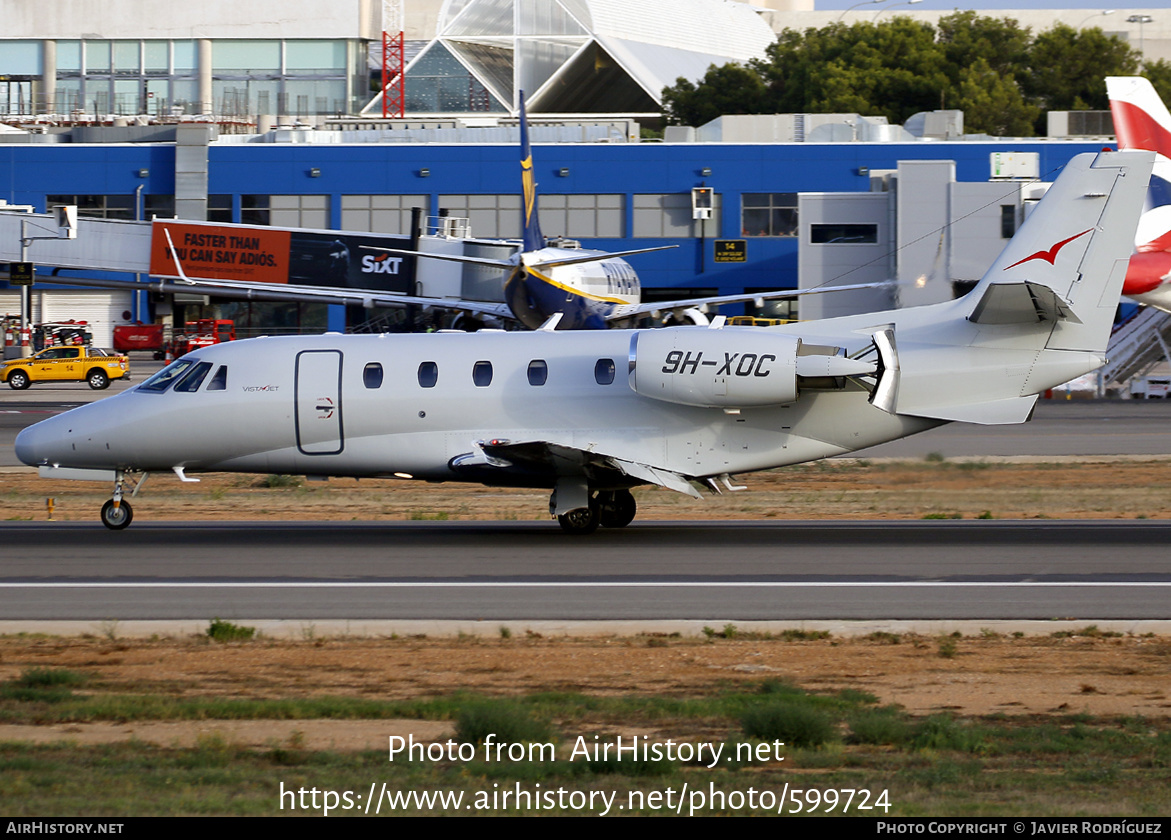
column 382, row 264
column 749, row 364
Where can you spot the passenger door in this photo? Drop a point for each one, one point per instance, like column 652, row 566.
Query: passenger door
column 318, row 398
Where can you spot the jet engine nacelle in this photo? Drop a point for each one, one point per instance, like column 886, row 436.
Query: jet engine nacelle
column 731, row 367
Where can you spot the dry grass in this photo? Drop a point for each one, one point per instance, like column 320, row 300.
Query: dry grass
column 824, row 490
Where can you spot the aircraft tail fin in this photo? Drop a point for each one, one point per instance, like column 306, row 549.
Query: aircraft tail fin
column 1067, row 262
column 1141, row 121
column 530, row 222
column 1040, row 316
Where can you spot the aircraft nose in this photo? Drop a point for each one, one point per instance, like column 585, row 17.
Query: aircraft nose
column 34, row 445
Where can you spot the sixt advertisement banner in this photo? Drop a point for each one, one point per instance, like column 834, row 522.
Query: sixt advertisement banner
column 280, row 255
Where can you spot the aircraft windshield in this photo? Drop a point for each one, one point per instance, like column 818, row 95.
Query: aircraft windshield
column 166, row 377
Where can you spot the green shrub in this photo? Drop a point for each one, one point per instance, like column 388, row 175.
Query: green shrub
column 276, row 481
column 942, row 732
column 506, row 721
column 226, row 631
column 796, row 724
column 879, row 726
column 44, row 685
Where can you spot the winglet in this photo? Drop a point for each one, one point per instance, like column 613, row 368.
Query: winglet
column 175, row 256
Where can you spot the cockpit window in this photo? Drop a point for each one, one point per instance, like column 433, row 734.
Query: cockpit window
column 219, row 382
column 167, row 377
column 191, row 380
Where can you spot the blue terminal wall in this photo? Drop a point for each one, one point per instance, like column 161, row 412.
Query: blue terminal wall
column 28, row 173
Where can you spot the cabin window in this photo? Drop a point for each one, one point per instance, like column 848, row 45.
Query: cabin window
column 538, row 372
column 482, row 374
column 604, row 372
column 372, row 375
column 193, row 378
column 428, row 374
column 219, row 382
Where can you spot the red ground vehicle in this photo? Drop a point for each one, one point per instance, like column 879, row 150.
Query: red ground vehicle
column 202, row 333
column 138, row 337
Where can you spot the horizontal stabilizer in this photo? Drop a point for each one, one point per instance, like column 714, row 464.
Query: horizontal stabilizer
column 996, row 413
column 1021, row 303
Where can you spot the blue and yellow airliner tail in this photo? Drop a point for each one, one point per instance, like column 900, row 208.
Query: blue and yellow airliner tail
column 530, row 221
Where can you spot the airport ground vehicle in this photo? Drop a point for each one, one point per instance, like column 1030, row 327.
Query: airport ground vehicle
column 65, row 364
column 202, row 333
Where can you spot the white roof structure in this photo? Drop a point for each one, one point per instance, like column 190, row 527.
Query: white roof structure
column 576, row 56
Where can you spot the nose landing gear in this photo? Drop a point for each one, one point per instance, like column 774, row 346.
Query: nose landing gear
column 117, row 514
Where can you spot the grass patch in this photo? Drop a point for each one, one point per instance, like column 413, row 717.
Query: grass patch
column 226, row 631
column 43, row 685
column 275, row 482
column 881, row 727
column 794, row 723
column 503, row 720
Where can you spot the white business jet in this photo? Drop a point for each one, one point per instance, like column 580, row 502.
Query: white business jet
column 591, row 414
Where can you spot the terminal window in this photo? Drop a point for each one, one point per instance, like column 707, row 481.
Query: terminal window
column 381, row 213
column 838, row 234
column 583, row 216
column 490, row 216
column 668, row 215
column 768, row 214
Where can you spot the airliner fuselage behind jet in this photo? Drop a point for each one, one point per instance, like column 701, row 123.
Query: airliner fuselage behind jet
column 586, row 293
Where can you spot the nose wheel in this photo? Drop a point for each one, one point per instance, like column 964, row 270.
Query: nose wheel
column 116, row 515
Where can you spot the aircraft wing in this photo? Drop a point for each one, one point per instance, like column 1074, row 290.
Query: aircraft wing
column 546, row 457
column 629, row 310
column 367, row 298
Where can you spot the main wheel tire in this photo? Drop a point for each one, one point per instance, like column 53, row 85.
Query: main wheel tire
column 580, row 521
column 616, row 508
column 18, row 380
column 117, row 518
column 98, row 380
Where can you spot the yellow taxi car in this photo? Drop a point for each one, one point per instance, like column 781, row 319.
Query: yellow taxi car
column 65, row 364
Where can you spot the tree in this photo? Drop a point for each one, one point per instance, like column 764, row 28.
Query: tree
column 894, row 68
column 730, row 89
column 1068, row 68
column 992, row 68
column 993, row 103
column 1159, row 74
column 967, row 37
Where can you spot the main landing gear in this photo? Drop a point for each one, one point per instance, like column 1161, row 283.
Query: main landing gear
column 608, row 508
column 117, row 514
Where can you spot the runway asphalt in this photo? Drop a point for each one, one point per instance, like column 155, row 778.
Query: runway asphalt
column 510, row 571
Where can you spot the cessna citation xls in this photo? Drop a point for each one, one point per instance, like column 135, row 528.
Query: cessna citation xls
column 591, row 414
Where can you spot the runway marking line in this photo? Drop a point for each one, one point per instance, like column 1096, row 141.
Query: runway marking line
column 577, row 585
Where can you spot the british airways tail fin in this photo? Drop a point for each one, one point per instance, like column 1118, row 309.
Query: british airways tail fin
column 530, row 223
column 1141, row 121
